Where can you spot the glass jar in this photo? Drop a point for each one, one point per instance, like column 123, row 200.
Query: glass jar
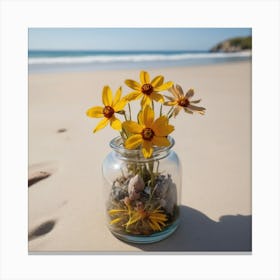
column 142, row 195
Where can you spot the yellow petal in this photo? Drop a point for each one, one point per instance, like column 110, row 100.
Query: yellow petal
column 133, row 84
column 157, row 97
column 196, row 108
column 164, row 86
column 148, row 116
column 157, row 81
column 107, row 96
column 156, row 226
column 161, row 126
column 115, row 123
column 140, row 118
column 101, row 124
column 136, row 217
column 170, row 98
column 180, row 90
column 117, row 96
column 160, row 141
column 174, row 92
column 115, row 221
column 162, row 223
column 116, row 211
column 133, row 95
column 133, row 141
column 177, row 110
column 147, row 149
column 157, row 216
column 95, row 112
column 189, row 93
column 144, row 77
column 170, row 103
column 132, row 127
column 195, row 101
column 120, row 105
column 152, row 226
column 188, row 111
column 146, row 101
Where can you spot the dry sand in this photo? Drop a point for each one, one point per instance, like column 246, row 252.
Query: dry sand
column 66, row 211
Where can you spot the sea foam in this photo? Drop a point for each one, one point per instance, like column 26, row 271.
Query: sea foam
column 112, row 58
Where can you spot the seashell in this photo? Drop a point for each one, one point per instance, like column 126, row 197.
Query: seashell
column 134, row 195
column 136, row 183
column 162, row 203
column 162, row 187
column 118, row 193
column 171, row 198
column 147, row 190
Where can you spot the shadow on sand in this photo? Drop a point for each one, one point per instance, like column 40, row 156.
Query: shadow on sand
column 197, row 232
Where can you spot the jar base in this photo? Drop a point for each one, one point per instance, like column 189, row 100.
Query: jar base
column 142, row 239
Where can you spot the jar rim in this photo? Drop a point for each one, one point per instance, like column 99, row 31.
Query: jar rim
column 136, row 154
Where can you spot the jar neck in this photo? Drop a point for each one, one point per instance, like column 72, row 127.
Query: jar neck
column 136, row 155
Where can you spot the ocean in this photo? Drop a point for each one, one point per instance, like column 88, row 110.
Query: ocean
column 44, row 61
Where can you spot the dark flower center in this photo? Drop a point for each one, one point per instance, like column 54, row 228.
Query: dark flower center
column 184, row 102
column 147, row 134
column 108, row 112
column 147, row 89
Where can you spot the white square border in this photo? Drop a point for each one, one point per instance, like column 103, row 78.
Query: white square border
column 18, row 16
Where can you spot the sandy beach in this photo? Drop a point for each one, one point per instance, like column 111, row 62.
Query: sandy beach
column 66, row 208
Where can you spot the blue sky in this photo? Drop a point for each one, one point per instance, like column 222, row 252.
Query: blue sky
column 130, row 38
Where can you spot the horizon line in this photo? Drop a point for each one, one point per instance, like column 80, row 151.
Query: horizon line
column 121, row 50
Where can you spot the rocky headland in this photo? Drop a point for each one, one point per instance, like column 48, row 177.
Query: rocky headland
column 236, row 44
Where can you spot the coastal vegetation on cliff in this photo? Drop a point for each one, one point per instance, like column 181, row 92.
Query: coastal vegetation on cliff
column 234, row 45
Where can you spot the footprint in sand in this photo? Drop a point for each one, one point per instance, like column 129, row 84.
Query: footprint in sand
column 36, row 177
column 42, row 229
column 36, row 173
column 61, row 130
column 40, row 171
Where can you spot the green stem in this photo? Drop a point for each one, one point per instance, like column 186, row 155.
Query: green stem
column 122, row 173
column 153, row 180
column 122, row 135
column 129, row 109
column 157, row 167
column 152, row 193
column 141, row 171
column 160, row 110
column 125, row 117
column 170, row 113
column 171, row 108
column 151, row 170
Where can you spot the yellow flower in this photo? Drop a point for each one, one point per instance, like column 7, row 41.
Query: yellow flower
column 121, row 215
column 154, row 218
column 147, row 132
column 111, row 106
column 128, row 217
column 147, row 89
column 179, row 100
